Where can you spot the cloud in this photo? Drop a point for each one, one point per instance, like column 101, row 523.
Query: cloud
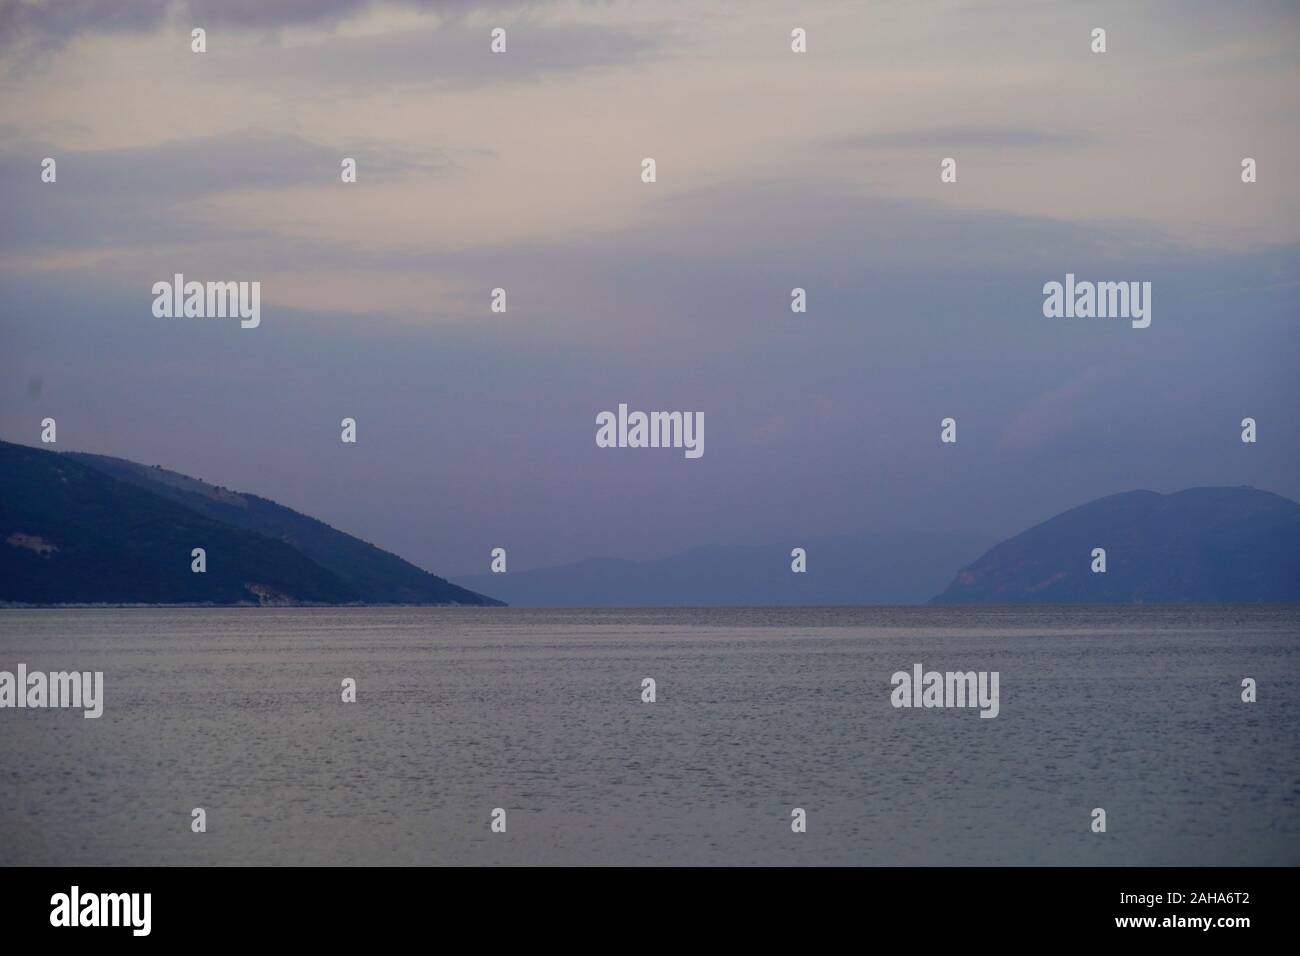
column 202, row 166
column 986, row 137
column 454, row 56
column 1048, row 417
column 340, row 45
column 378, row 48
column 49, row 26
column 159, row 193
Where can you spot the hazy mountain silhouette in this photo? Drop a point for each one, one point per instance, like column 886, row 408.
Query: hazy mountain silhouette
column 868, row 569
column 1202, row 545
column 87, row 529
column 78, row 528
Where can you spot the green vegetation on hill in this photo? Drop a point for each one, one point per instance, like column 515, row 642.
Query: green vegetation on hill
column 71, row 533
column 379, row 576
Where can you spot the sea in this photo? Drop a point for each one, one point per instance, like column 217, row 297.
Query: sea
column 500, row 736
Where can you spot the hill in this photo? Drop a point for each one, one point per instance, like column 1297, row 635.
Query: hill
column 1199, row 546
column 379, row 576
column 85, row 529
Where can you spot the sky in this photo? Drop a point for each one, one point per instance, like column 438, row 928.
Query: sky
column 775, row 170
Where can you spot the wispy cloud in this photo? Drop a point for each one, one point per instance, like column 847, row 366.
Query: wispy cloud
column 954, row 137
column 51, row 25
column 161, row 193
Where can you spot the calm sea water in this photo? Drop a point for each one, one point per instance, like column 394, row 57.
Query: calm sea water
column 758, row 711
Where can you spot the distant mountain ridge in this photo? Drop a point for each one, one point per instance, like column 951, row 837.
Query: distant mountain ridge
column 88, row 529
column 1199, row 546
column 884, row 568
column 78, row 528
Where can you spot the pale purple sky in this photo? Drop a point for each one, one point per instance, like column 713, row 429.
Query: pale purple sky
column 775, row 170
